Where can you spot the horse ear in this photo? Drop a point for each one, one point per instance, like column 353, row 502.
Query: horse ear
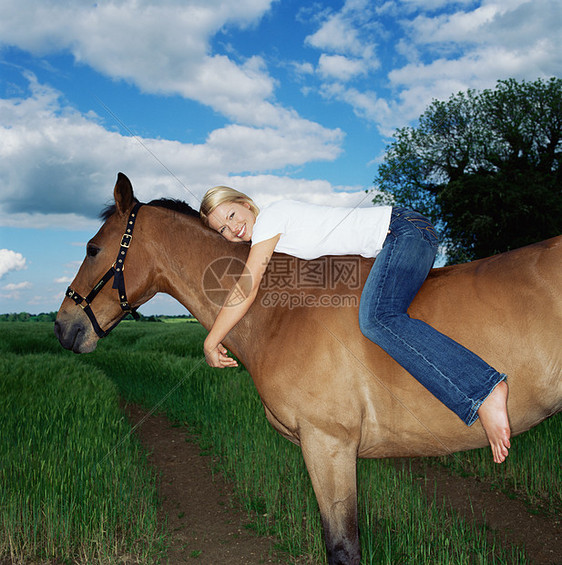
column 123, row 193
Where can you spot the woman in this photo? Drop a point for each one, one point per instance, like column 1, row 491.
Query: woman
column 405, row 244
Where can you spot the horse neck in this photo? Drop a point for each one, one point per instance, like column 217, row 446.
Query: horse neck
column 185, row 250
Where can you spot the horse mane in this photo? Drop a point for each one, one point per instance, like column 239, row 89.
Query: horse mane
column 175, row 205
column 168, row 203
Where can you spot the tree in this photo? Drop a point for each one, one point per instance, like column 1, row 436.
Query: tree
column 485, row 167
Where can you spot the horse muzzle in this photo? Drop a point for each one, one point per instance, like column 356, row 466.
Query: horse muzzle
column 75, row 335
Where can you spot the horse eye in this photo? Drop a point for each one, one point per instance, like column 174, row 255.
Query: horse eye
column 92, row 250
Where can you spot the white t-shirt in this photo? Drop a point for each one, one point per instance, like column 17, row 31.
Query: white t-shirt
column 309, row 231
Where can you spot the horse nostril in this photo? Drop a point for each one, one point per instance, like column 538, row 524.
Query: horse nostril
column 58, row 330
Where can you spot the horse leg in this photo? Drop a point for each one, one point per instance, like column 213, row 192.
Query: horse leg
column 331, row 464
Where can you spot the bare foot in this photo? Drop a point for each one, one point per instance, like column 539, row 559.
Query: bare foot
column 493, row 417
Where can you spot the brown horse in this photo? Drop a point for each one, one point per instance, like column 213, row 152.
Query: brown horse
column 323, row 385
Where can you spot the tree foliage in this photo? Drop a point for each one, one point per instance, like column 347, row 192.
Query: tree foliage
column 27, row 317
column 485, row 167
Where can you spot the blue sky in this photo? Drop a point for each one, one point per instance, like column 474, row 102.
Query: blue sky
column 278, row 98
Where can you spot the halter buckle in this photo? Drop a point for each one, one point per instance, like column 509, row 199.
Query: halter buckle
column 73, row 295
column 126, row 240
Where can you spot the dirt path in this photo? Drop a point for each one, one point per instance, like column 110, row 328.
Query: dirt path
column 209, row 530
column 510, row 518
column 206, row 528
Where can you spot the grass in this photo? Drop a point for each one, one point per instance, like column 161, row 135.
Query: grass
column 532, row 472
column 74, row 485
column 163, row 367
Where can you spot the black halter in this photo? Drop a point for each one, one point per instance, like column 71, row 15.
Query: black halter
column 115, row 272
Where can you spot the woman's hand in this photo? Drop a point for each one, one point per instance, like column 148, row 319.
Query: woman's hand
column 217, row 356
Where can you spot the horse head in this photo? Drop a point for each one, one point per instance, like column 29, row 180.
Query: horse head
column 113, row 256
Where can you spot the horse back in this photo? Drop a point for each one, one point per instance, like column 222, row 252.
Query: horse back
column 316, row 369
column 508, row 309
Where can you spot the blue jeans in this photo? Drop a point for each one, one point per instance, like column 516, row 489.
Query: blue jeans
column 452, row 373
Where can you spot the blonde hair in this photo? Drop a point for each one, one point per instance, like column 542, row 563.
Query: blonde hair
column 219, row 195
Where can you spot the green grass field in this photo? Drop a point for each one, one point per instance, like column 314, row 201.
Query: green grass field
column 75, row 485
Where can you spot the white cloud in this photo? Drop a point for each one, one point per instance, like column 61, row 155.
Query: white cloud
column 11, row 261
column 480, row 68
column 54, row 160
column 447, row 46
column 523, row 30
column 162, row 48
column 347, row 31
column 265, row 189
column 340, row 67
column 17, row 286
column 336, row 34
column 512, row 25
column 303, row 68
column 365, row 104
column 345, row 37
column 457, row 27
column 430, row 5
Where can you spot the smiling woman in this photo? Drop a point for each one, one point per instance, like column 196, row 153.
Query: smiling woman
column 230, row 212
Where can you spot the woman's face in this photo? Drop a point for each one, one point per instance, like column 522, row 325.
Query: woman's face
column 233, row 220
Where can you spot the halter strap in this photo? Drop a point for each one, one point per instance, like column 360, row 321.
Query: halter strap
column 115, row 272
column 119, row 265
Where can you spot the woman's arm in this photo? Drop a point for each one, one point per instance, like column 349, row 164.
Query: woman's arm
column 238, row 303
